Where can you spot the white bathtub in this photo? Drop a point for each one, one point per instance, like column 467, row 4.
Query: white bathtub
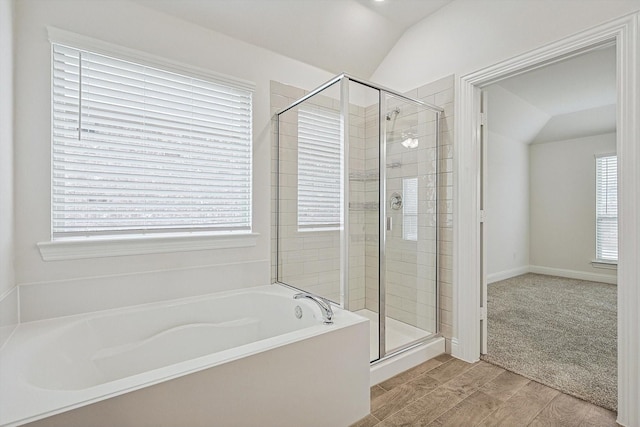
column 239, row 358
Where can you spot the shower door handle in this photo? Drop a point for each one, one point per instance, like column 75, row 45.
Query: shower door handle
column 389, row 223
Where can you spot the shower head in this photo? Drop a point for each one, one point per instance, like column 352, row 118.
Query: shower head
column 393, row 114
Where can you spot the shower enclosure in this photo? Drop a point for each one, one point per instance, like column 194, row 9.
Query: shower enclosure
column 356, row 207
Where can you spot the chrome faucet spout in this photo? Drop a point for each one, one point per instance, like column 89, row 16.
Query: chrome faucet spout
column 325, row 306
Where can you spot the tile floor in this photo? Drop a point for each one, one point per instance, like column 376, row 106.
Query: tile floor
column 449, row 392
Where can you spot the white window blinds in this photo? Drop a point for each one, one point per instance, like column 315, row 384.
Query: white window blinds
column 410, row 209
column 319, row 167
column 137, row 149
column 607, row 208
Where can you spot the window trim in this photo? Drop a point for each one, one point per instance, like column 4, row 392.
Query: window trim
column 606, row 264
column 408, row 235
column 85, row 247
column 59, row 36
column 602, row 262
column 97, row 246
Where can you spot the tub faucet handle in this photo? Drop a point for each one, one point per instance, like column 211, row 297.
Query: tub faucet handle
column 324, row 304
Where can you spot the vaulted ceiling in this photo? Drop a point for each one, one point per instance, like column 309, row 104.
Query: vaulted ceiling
column 351, row 36
column 565, row 100
column 570, row 99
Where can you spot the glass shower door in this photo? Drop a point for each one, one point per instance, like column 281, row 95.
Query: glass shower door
column 355, row 219
column 311, row 196
column 408, row 212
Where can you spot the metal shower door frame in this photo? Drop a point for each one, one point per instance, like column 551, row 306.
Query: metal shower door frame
column 344, row 80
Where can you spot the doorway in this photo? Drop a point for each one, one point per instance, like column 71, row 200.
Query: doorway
column 467, row 217
column 551, row 306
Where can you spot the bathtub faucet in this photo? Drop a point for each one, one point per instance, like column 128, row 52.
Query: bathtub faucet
column 325, row 306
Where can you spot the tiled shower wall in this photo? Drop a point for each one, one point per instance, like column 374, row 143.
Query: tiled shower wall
column 316, row 258
column 410, row 259
column 441, row 93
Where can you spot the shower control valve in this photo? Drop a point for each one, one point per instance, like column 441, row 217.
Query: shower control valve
column 396, row 201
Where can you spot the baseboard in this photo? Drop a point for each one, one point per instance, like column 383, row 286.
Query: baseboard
column 455, row 347
column 507, row 274
column 574, row 274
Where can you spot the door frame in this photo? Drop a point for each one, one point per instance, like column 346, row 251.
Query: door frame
column 466, row 273
column 483, row 176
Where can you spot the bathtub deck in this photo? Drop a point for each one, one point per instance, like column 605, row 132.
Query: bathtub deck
column 193, row 392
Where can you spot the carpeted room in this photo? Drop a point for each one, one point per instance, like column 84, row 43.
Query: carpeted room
column 558, row 331
column 551, row 217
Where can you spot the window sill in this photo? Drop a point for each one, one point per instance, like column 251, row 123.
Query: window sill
column 59, row 250
column 608, row 265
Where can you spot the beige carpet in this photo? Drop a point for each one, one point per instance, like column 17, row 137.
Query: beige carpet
column 559, row 332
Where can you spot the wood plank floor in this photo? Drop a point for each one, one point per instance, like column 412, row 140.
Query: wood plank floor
column 449, row 392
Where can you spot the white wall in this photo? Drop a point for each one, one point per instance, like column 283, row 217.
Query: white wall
column 8, row 296
column 540, row 197
column 467, row 35
column 507, row 207
column 6, row 146
column 133, row 26
column 512, row 124
column 563, row 205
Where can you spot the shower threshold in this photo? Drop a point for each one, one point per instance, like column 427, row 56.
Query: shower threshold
column 398, row 333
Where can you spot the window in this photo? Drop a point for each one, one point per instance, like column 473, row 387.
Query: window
column 140, row 150
column 410, row 209
column 607, row 208
column 319, row 168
